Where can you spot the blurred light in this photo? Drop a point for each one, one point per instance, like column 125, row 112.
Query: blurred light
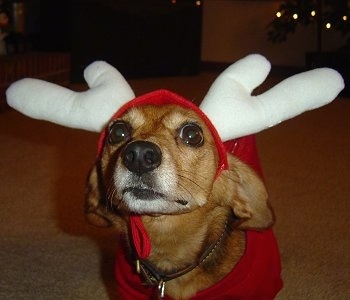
column 278, row 14
column 198, row 3
column 313, row 13
column 295, row 16
column 173, row 1
column 345, row 18
column 328, row 25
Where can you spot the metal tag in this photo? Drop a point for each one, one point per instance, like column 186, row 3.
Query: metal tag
column 161, row 289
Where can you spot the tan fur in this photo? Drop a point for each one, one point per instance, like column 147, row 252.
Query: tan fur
column 180, row 237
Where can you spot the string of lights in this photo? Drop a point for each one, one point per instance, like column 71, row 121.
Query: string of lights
column 313, row 14
column 325, row 14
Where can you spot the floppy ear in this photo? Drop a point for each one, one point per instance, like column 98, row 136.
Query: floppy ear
column 97, row 209
column 242, row 189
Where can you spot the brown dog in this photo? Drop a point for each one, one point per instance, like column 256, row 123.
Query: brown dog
column 161, row 162
column 194, row 218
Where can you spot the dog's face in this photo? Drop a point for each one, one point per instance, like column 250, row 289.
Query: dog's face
column 162, row 160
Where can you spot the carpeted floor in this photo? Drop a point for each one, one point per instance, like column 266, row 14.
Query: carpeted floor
column 47, row 251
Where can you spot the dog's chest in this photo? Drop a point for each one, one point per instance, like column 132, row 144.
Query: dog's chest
column 255, row 276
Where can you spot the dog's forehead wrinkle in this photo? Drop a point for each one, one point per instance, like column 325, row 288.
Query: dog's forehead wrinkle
column 136, row 117
column 176, row 119
column 171, row 116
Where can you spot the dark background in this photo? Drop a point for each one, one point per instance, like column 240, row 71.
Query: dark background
column 140, row 38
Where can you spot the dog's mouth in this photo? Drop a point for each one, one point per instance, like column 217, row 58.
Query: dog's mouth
column 149, row 201
column 143, row 193
column 149, row 195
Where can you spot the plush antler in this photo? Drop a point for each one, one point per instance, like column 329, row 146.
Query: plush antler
column 89, row 110
column 228, row 104
column 235, row 112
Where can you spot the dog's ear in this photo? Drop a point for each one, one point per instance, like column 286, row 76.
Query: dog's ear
column 242, row 189
column 97, row 211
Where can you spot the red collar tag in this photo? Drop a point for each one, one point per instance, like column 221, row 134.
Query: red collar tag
column 140, row 237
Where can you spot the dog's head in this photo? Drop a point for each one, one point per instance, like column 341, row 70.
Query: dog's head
column 165, row 160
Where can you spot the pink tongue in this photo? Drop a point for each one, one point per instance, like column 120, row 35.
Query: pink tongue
column 142, row 242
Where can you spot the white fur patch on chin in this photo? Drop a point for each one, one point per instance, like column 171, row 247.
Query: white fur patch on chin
column 156, row 205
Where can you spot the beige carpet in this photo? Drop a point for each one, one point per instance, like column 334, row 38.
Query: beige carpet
column 47, row 251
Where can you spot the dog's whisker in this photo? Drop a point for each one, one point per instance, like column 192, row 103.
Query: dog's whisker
column 111, row 195
column 188, row 191
column 191, row 174
column 189, row 179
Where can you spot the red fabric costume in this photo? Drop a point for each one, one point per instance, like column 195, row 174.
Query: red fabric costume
column 257, row 273
column 255, row 276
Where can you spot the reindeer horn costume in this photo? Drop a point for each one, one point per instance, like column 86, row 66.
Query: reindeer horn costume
column 232, row 115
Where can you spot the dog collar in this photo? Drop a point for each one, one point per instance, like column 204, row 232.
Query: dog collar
column 154, row 277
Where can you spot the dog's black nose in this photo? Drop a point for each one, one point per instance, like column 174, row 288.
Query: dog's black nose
column 141, row 156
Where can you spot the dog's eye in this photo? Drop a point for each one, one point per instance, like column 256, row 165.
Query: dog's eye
column 191, row 134
column 119, row 132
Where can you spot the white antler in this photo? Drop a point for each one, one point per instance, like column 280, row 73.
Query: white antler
column 235, row 112
column 228, row 104
column 89, row 110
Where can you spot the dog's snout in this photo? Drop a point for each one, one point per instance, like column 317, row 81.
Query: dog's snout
column 141, row 157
